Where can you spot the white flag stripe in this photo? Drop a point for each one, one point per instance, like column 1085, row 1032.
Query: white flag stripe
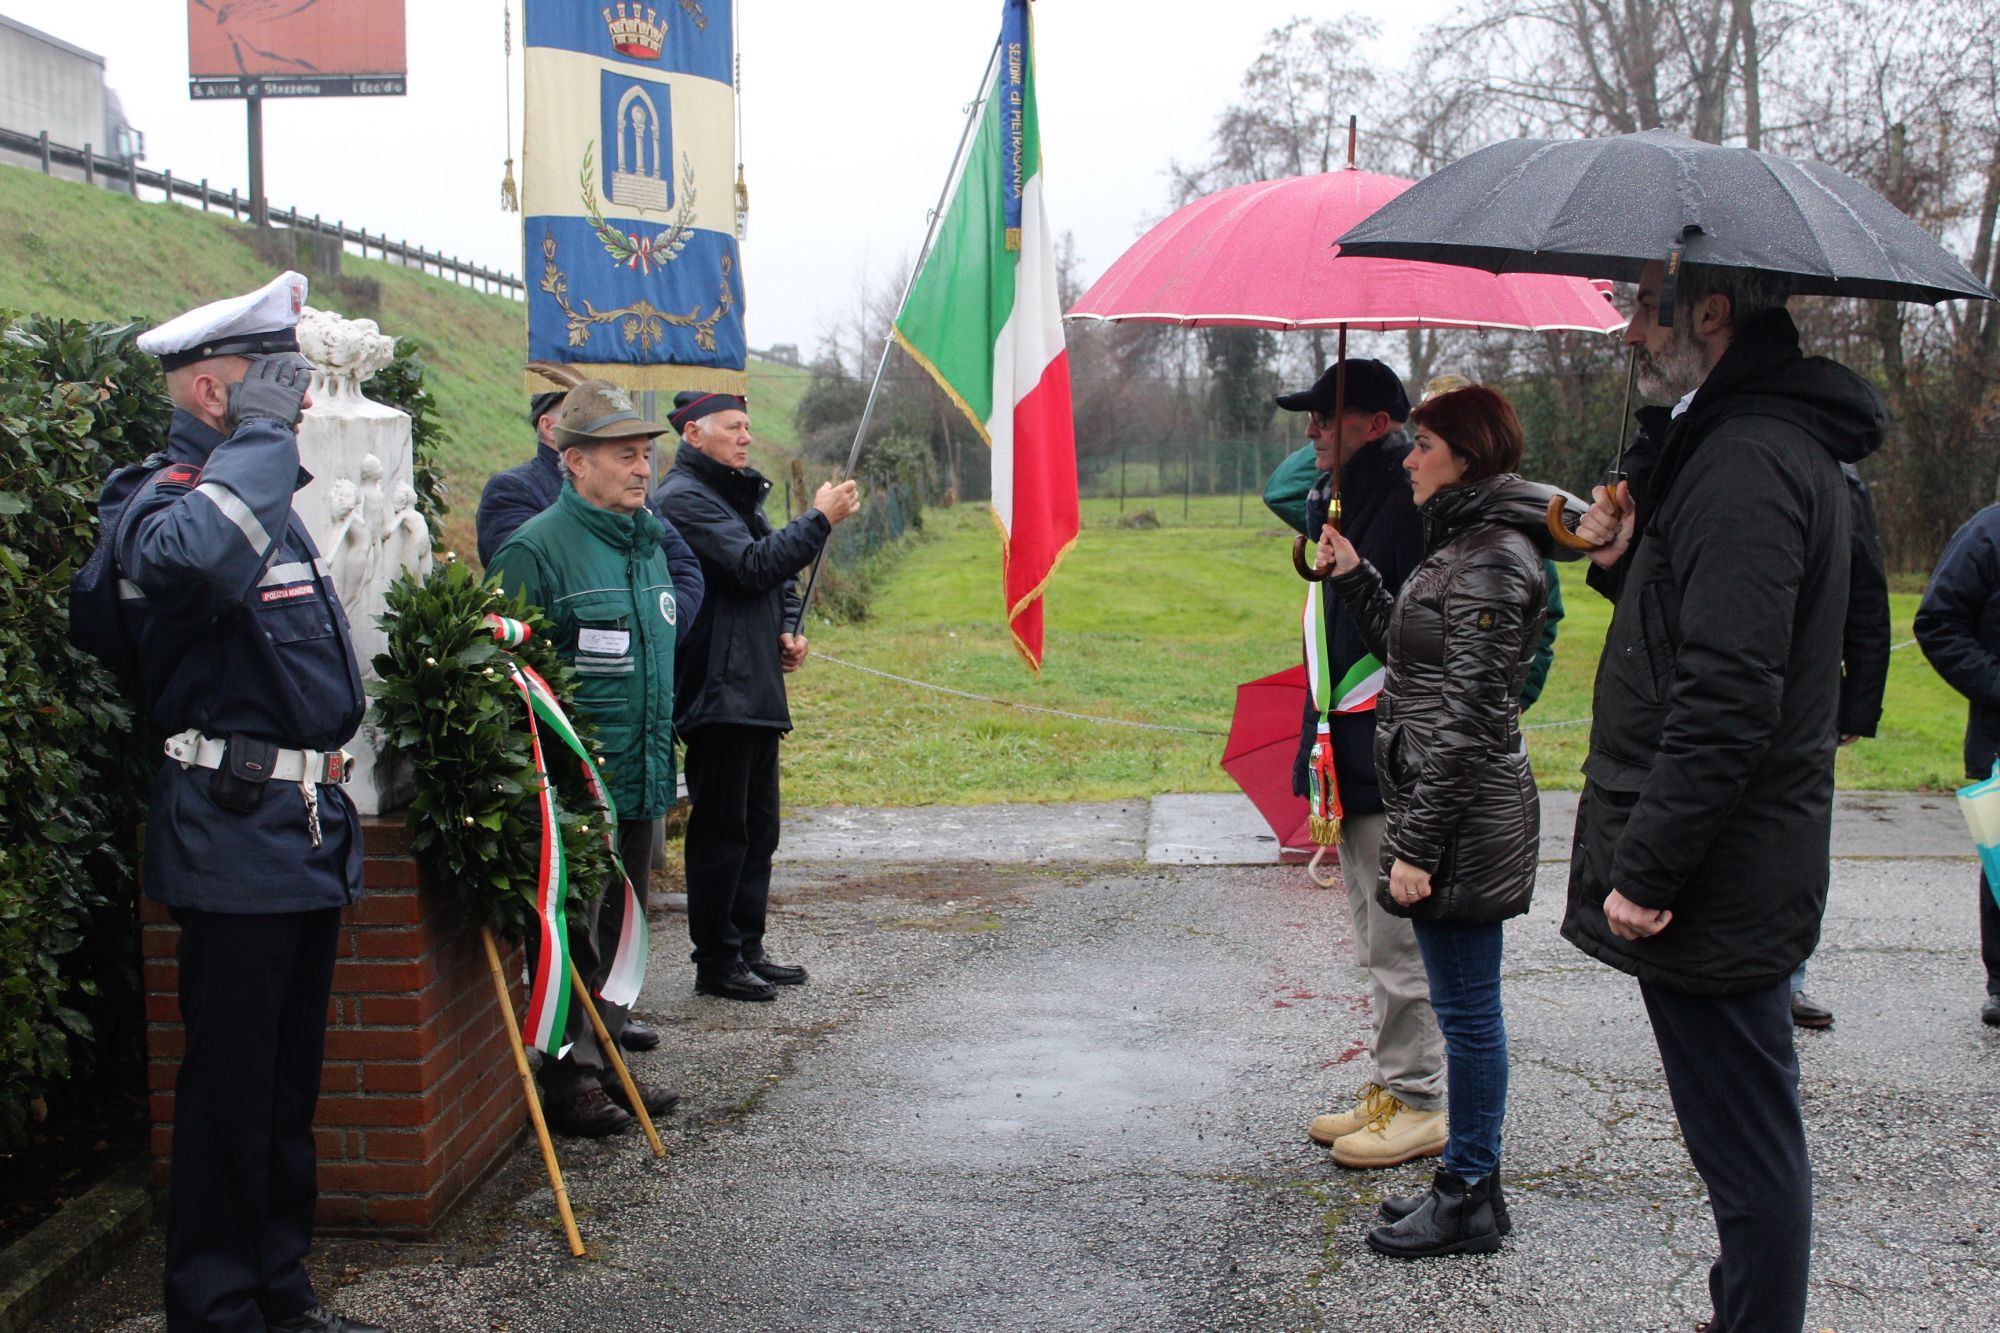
column 1031, row 338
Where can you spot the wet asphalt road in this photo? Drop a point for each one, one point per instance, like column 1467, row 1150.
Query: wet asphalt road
column 1072, row 1095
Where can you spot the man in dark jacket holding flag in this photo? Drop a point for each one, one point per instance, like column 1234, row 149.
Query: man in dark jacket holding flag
column 1399, row 1115
column 730, row 704
column 1700, row 863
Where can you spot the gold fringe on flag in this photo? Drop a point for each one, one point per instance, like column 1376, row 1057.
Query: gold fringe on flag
column 1325, row 831
column 1013, row 239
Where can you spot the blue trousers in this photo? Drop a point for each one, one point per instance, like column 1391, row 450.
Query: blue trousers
column 1463, row 962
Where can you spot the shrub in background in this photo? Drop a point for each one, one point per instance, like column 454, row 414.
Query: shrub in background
column 76, row 401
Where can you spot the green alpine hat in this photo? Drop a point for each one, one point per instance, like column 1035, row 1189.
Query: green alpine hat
column 597, row 412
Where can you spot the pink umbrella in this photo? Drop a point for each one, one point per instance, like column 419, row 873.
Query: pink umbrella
column 1262, row 255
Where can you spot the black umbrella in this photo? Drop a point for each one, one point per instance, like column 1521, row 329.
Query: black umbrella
column 1605, row 208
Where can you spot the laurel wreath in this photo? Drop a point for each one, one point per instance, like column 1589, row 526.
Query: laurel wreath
column 642, row 322
column 643, row 252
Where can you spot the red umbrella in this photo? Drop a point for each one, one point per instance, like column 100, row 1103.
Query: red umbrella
column 1263, row 739
column 1262, row 255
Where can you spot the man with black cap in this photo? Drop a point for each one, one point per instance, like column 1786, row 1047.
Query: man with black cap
column 210, row 598
column 1399, row 1115
column 592, row 561
column 730, row 704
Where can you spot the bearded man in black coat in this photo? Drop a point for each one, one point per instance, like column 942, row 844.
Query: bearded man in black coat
column 1700, row 864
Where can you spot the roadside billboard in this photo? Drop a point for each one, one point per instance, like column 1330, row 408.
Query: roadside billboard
column 296, row 48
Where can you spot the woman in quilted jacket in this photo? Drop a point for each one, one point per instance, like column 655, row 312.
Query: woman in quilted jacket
column 1463, row 814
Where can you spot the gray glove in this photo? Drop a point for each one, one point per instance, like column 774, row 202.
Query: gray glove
column 274, row 388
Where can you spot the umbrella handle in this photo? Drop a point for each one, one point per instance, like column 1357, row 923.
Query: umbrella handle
column 1312, row 869
column 1308, row 573
column 1562, row 534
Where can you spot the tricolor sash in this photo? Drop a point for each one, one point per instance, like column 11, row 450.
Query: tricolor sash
column 549, row 992
column 1355, row 692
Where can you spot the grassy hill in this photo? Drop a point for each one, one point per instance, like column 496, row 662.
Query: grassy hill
column 70, row 249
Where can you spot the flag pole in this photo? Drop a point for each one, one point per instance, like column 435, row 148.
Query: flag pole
column 888, row 340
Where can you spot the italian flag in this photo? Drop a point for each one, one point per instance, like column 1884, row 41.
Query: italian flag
column 983, row 318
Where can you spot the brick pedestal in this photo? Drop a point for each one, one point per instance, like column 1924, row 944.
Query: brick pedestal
column 419, row 1098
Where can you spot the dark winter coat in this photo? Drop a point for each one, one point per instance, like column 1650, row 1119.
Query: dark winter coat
column 1710, row 774
column 1864, row 642
column 1958, row 627
column 1380, row 519
column 1458, row 641
column 512, row 497
column 729, row 668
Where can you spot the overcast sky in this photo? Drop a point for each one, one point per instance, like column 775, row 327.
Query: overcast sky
column 850, row 112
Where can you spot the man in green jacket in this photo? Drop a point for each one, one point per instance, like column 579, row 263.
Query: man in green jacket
column 592, row 562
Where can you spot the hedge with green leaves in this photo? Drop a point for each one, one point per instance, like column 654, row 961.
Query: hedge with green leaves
column 76, row 400
column 446, row 701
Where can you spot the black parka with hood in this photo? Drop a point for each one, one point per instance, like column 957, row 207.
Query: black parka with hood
column 1458, row 641
column 1709, row 786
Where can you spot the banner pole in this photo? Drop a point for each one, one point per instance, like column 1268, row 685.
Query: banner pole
column 888, row 340
column 528, row 1090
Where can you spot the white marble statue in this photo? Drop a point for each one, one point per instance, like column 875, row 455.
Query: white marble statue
column 358, row 454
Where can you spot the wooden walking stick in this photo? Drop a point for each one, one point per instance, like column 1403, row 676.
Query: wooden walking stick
column 610, row 1048
column 528, row 1088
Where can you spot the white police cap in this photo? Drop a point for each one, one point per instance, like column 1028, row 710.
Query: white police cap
column 265, row 320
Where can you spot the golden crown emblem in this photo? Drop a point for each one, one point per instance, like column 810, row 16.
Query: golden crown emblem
column 636, row 31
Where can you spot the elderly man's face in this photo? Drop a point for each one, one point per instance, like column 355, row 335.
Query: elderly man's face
column 1670, row 361
column 723, row 436
column 613, row 475
column 1333, row 447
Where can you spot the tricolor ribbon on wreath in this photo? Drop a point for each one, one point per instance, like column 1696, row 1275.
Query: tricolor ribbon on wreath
column 549, row 992
column 1354, row 692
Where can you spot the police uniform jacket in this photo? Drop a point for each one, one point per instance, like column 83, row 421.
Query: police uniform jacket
column 516, row 495
column 603, row 582
column 238, row 631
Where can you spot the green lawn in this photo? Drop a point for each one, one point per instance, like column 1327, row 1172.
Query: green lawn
column 1159, row 626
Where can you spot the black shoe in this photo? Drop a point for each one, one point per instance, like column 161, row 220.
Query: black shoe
column 319, row 1319
column 581, row 1109
column 658, row 1101
column 1806, row 1014
column 1454, row 1218
column 1396, row 1209
column 778, row 974
column 1989, row 1013
column 737, row 983
column 637, row 1036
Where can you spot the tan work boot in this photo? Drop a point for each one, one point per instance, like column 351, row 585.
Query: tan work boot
column 1338, row 1124
column 1395, row 1134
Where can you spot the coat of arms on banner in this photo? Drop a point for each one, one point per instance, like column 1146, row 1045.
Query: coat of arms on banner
column 631, row 121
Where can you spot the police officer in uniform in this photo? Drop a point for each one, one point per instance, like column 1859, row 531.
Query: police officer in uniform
column 246, row 675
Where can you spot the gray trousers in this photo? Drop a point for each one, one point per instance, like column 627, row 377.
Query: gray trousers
column 1409, row 1049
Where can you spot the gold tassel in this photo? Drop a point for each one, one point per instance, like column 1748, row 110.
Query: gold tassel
column 1013, row 241
column 742, row 205
column 510, row 195
column 1325, row 831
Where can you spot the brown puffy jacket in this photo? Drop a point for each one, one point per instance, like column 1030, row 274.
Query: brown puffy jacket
column 1458, row 641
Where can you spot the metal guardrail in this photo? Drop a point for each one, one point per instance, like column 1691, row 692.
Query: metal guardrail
column 133, row 176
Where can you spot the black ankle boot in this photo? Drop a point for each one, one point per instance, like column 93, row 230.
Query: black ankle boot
column 1454, row 1218
column 1400, row 1207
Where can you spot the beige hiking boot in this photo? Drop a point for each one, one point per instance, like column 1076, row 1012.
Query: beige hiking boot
column 1395, row 1134
column 1338, row 1124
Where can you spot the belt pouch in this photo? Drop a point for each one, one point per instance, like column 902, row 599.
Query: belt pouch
column 247, row 764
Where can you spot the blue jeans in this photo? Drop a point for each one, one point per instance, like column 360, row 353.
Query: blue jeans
column 1463, row 960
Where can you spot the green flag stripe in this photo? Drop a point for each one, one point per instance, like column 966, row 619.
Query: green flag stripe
column 965, row 292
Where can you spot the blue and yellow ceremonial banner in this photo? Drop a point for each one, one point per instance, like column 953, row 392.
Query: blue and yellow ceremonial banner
column 628, row 191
